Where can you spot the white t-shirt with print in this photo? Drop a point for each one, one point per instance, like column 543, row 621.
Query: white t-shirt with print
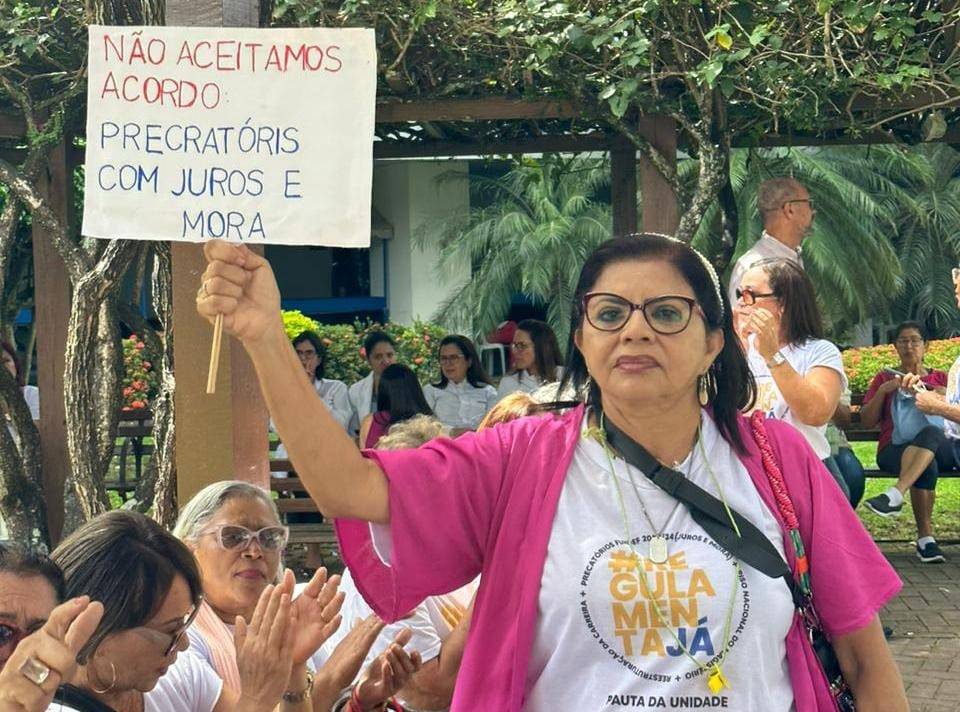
column 190, row 685
column 803, row 357
column 598, row 645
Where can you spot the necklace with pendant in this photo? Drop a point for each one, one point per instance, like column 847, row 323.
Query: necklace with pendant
column 658, row 550
column 716, row 680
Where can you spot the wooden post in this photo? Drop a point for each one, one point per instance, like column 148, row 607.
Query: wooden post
column 660, row 210
column 623, row 188
column 52, row 312
column 224, row 435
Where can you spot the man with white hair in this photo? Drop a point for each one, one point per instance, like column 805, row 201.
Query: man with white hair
column 787, row 212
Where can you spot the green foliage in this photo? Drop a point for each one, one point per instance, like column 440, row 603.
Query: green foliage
column 416, row 345
column 862, row 364
column 296, row 322
column 546, row 218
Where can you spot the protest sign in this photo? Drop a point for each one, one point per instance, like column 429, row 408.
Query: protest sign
column 243, row 134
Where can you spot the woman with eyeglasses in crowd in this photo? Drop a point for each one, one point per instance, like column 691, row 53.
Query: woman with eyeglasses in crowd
column 916, row 463
column 135, row 660
column 464, row 393
column 574, row 543
column 234, row 531
column 39, row 636
column 536, row 359
column 799, row 374
column 399, row 398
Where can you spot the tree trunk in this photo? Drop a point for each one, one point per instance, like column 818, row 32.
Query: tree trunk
column 164, row 449
column 21, row 490
column 92, row 392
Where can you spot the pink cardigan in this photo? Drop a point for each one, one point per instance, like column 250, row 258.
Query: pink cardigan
column 485, row 502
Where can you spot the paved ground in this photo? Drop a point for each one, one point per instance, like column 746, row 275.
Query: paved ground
column 926, row 622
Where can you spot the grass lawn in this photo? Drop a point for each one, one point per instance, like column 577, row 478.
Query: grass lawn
column 946, row 513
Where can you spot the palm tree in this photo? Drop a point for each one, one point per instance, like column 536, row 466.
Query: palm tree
column 928, row 243
column 541, row 221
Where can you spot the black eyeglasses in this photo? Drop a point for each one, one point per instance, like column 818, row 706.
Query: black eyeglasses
column 666, row 315
column 749, row 297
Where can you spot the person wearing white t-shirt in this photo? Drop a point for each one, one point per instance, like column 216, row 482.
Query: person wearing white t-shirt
column 536, row 359
column 593, row 592
column 799, row 374
column 150, row 589
column 464, row 392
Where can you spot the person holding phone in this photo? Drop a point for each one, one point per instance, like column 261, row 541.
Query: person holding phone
column 918, row 462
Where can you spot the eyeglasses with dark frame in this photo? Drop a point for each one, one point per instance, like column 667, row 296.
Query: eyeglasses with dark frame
column 520, row 346
column 750, row 297
column 667, row 315
column 176, row 636
column 234, row 537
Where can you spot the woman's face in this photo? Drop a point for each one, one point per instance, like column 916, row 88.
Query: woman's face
column 381, row 356
column 756, row 282
column 524, row 353
column 137, row 658
column 234, row 578
column 453, row 363
column 309, row 358
column 25, row 604
column 910, row 347
column 10, row 364
column 636, row 365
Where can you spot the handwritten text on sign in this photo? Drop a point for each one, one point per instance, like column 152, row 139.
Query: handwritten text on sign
column 253, row 135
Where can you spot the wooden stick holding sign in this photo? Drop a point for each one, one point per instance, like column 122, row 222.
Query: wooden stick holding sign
column 215, row 355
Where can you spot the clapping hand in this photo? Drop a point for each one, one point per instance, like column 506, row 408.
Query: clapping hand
column 265, row 649
column 389, row 673
column 318, row 613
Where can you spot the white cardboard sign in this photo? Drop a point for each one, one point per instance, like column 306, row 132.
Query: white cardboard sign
column 243, row 134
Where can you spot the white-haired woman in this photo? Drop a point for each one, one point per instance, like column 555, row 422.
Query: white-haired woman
column 234, row 531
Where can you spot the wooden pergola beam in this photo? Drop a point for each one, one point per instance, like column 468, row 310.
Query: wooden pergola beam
column 492, row 108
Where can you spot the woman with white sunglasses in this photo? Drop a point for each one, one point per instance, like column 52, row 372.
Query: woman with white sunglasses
column 234, row 531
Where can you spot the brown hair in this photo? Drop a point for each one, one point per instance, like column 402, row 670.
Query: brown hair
column 791, row 285
column 546, row 349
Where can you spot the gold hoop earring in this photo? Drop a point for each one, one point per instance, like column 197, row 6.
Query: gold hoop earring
column 703, row 389
column 113, row 681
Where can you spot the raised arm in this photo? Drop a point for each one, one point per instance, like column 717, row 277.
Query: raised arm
column 240, row 285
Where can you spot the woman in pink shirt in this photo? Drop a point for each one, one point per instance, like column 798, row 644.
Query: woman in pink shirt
column 598, row 588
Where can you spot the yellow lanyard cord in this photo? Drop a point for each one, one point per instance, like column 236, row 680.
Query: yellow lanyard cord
column 716, row 680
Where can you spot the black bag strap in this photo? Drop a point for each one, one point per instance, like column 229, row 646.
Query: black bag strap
column 752, row 547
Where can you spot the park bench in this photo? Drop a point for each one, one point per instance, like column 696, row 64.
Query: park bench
column 321, row 533
column 134, row 428
column 856, row 432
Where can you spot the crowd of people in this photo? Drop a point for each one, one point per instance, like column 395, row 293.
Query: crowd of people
column 663, row 512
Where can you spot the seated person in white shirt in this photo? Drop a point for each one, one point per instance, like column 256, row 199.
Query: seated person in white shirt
column 464, row 393
column 380, row 351
column 799, row 374
column 536, row 359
